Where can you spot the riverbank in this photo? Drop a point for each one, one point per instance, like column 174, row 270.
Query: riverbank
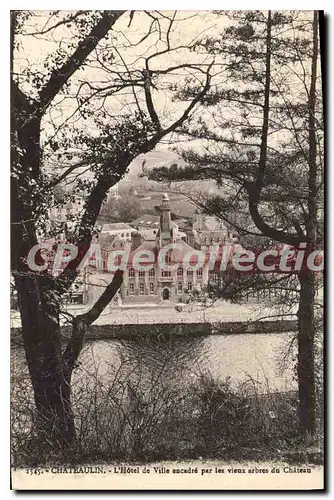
column 221, row 318
column 168, row 330
column 125, row 420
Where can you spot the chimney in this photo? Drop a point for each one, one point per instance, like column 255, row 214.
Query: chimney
column 136, row 240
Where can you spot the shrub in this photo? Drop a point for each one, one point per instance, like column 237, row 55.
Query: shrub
column 133, row 411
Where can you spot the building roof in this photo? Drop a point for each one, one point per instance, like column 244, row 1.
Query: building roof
column 116, row 226
column 149, row 221
column 111, row 243
column 178, row 254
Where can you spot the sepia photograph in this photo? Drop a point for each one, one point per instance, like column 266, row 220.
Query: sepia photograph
column 167, row 250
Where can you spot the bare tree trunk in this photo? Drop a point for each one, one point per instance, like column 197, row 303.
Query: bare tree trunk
column 306, row 323
column 305, row 369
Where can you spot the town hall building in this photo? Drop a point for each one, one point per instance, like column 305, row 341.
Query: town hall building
column 154, row 285
column 158, row 284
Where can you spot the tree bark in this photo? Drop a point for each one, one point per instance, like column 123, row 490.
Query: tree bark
column 306, row 324
column 42, row 344
column 50, row 367
column 83, row 321
column 305, row 368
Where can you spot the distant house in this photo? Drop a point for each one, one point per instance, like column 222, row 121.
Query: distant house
column 61, row 213
column 121, row 230
column 207, row 232
column 148, row 225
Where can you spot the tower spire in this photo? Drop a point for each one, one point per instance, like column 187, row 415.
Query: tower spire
column 165, row 218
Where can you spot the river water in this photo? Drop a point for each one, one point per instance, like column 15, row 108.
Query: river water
column 263, row 360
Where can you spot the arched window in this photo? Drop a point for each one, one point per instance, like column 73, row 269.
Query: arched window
column 168, row 258
column 151, row 273
column 180, row 272
column 131, row 273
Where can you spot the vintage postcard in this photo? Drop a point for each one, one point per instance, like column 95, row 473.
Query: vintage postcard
column 167, row 224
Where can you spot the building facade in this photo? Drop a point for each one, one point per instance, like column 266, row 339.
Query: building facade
column 152, row 283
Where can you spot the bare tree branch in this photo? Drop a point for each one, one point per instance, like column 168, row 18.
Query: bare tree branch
column 82, row 321
column 60, row 76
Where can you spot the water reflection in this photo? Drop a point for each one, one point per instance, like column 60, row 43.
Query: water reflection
column 253, row 357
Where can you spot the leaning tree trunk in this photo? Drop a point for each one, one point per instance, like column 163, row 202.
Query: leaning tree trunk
column 306, row 367
column 50, row 366
column 42, row 343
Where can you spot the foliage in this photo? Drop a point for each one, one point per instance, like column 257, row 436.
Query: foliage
column 124, row 208
column 82, row 109
column 262, row 140
column 134, row 412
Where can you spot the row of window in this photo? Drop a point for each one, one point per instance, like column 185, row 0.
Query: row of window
column 151, row 273
column 141, row 274
column 152, row 289
column 215, row 277
column 131, row 289
column 209, row 241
